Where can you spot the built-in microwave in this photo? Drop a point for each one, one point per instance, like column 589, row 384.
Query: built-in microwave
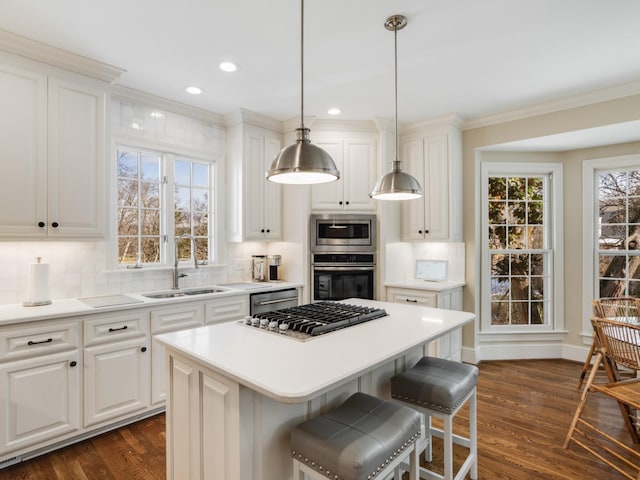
column 343, row 233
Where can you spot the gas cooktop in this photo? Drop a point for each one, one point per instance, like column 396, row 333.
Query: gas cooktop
column 312, row 320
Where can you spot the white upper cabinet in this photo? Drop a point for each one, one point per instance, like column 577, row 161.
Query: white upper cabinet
column 435, row 160
column 52, row 153
column 255, row 211
column 355, row 156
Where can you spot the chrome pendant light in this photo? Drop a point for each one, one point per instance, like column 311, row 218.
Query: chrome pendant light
column 302, row 162
column 396, row 185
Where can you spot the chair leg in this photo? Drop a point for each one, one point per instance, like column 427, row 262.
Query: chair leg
column 428, row 455
column 583, row 400
column 414, row 464
column 587, row 363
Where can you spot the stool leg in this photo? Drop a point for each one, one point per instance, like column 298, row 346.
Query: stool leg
column 428, row 456
column 298, row 474
column 448, row 447
column 473, row 434
column 414, row 463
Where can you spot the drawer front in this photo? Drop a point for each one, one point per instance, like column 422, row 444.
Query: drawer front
column 425, row 299
column 40, row 338
column 115, row 327
column 227, row 309
column 176, row 318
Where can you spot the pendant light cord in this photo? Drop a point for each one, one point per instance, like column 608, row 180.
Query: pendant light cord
column 302, row 64
column 395, row 80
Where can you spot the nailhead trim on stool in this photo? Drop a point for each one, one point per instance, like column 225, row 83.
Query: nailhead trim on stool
column 349, row 438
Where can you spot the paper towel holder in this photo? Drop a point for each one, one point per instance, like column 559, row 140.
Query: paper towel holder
column 27, row 303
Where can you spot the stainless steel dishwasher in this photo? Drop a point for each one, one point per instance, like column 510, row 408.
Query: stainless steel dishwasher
column 270, row 301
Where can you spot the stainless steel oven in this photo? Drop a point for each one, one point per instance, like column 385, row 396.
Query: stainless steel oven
column 343, row 256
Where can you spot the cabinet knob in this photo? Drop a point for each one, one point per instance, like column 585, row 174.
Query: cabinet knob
column 340, row 202
column 54, row 224
column 347, row 202
column 426, row 231
column 262, row 230
column 268, row 230
column 143, row 349
column 73, row 363
column 41, row 224
column 420, row 232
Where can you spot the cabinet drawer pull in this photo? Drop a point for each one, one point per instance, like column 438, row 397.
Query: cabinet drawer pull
column 73, row 363
column 143, row 349
column 412, row 301
column 116, row 329
column 48, row 340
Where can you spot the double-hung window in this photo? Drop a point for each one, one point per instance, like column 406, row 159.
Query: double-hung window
column 521, row 209
column 160, row 197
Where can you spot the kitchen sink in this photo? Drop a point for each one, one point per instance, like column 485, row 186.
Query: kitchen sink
column 183, row 293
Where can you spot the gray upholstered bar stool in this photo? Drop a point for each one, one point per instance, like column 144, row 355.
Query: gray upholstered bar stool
column 439, row 388
column 365, row 438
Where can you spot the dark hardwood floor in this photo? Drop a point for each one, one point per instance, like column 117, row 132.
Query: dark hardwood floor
column 524, row 411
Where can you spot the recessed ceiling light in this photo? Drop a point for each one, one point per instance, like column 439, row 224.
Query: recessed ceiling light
column 228, row 67
column 194, row 90
column 156, row 114
column 334, row 111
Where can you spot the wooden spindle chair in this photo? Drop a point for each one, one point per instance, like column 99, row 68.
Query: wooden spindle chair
column 614, row 308
column 619, row 343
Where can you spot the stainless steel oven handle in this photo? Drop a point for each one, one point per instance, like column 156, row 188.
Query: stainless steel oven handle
column 280, row 300
column 342, row 269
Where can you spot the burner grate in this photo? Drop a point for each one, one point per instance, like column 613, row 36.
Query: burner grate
column 315, row 318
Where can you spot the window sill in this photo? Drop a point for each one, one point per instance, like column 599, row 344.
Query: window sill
column 522, row 336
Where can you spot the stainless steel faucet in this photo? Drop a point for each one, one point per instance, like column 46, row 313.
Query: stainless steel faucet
column 177, row 276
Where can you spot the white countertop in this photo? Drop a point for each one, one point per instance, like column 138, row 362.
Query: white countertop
column 294, row 371
column 17, row 313
column 424, row 285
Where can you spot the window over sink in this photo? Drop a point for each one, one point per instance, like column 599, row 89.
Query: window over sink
column 160, row 196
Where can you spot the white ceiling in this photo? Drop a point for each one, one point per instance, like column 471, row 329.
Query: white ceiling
column 469, row 57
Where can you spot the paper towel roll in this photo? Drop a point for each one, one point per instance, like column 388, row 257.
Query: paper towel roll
column 38, row 288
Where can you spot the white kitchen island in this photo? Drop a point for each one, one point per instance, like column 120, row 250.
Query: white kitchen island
column 236, row 391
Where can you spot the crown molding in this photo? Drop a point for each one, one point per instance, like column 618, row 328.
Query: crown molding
column 142, row 98
column 244, row 116
column 41, row 52
column 566, row 103
column 345, row 125
column 447, row 121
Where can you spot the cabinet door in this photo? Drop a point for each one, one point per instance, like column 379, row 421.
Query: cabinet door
column 412, row 211
column 359, row 174
column 116, row 380
column 272, row 203
column 254, row 184
column 76, row 159
column 40, row 399
column 23, row 154
column 330, row 196
column 436, row 185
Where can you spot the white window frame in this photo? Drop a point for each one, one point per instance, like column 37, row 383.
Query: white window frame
column 168, row 154
column 554, row 212
column 590, row 169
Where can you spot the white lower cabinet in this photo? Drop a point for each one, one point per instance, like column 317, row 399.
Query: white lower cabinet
column 116, row 380
column 167, row 320
column 40, row 383
column 448, row 346
column 116, row 365
column 39, row 399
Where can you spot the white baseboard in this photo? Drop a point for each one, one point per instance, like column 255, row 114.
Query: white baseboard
column 524, row 351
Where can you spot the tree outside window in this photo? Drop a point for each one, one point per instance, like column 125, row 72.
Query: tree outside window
column 618, row 233
column 517, row 231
